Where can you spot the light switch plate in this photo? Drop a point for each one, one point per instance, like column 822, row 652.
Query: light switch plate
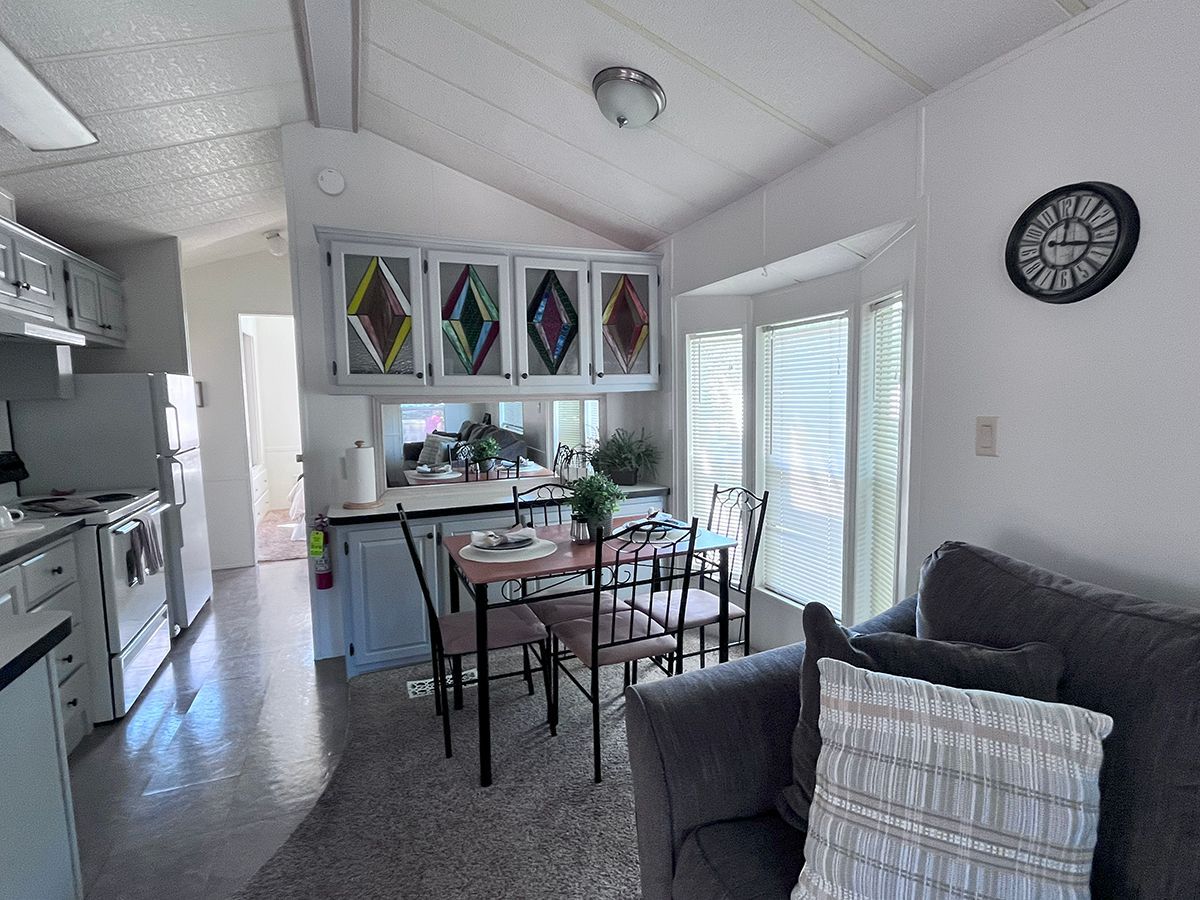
column 987, row 436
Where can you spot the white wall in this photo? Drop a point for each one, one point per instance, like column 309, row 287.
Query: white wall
column 393, row 190
column 8, row 492
column 275, row 344
column 157, row 340
column 216, row 294
column 1096, row 400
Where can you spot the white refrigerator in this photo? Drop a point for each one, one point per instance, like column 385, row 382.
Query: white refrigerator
column 122, row 430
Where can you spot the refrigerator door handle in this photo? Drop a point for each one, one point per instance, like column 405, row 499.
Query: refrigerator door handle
column 180, row 504
column 174, row 447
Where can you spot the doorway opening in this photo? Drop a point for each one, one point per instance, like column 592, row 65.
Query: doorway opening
column 270, row 386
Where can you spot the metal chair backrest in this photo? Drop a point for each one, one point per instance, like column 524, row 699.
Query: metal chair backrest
column 738, row 513
column 491, row 468
column 548, row 499
column 641, row 559
column 561, row 455
column 435, row 629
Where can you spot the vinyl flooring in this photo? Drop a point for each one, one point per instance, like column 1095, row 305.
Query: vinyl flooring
column 224, row 754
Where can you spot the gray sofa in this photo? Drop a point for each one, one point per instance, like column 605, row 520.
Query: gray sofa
column 710, row 750
column 512, row 445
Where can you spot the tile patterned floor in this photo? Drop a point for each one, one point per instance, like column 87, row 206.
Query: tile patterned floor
column 222, row 756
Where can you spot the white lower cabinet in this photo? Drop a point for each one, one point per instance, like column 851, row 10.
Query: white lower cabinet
column 12, row 592
column 386, row 623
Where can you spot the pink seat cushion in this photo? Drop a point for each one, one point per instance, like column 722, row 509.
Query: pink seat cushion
column 577, row 606
column 648, row 638
column 508, row 626
column 703, row 608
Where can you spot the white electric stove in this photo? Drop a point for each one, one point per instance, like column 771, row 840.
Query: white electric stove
column 124, row 589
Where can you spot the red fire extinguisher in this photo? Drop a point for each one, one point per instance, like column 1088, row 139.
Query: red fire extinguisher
column 318, row 550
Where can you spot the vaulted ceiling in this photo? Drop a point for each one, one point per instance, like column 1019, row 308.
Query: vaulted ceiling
column 187, row 99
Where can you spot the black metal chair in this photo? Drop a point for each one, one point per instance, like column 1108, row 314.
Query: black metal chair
column 452, row 636
column 561, row 454
column 548, row 499
column 641, row 559
column 735, row 513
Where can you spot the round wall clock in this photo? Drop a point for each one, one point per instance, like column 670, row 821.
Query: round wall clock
column 1073, row 241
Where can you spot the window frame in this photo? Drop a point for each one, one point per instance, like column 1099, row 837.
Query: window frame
column 746, row 460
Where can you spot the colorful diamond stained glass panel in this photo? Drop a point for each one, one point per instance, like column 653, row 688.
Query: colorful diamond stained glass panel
column 553, row 322
column 380, row 313
column 470, row 320
column 626, row 323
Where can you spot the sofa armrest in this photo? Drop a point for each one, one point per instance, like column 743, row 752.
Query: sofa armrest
column 412, row 450
column 901, row 618
column 705, row 746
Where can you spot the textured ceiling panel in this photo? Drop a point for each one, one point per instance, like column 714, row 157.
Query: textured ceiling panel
column 509, row 176
column 176, row 220
column 181, row 193
column 942, row 40
column 782, row 55
column 59, row 27
column 131, row 171
column 143, row 77
column 517, row 141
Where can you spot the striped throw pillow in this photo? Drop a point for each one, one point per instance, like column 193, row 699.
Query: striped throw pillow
column 925, row 791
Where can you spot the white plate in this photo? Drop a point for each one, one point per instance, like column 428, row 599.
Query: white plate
column 536, row 550
column 432, row 476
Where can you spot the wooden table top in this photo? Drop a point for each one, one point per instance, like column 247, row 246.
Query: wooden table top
column 568, row 557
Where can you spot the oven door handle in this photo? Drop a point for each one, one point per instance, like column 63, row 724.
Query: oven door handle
column 133, row 523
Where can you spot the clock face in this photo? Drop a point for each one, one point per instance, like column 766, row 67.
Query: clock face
column 1072, row 242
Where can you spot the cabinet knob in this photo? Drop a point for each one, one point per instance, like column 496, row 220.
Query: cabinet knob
column 69, row 658
column 57, row 570
column 421, row 375
column 508, row 375
column 599, row 374
column 524, row 375
column 74, row 702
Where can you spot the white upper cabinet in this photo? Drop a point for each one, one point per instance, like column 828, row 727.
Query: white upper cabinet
column 626, row 336
column 473, row 319
column 112, row 307
column 553, row 323
column 95, row 302
column 8, row 278
column 33, row 275
column 379, row 314
column 417, row 314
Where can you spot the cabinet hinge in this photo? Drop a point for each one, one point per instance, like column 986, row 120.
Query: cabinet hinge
column 345, row 548
column 66, row 274
column 429, row 369
column 589, row 276
column 425, row 266
column 328, row 258
column 70, row 312
column 658, row 278
column 335, row 367
column 352, row 648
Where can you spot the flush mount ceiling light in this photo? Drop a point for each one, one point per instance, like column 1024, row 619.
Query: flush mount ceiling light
column 277, row 244
column 34, row 114
column 628, row 98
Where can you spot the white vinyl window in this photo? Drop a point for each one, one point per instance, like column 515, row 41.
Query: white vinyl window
column 575, row 423
column 804, row 392
column 716, row 416
column 512, row 417
column 880, row 428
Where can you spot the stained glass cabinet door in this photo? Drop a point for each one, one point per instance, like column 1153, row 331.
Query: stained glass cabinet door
column 553, row 312
column 379, row 313
column 625, row 334
column 470, row 296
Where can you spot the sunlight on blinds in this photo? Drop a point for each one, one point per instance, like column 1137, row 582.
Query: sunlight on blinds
column 881, row 406
column 716, row 414
column 804, row 391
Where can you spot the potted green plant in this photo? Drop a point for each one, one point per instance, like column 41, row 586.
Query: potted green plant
column 625, row 456
column 484, row 452
column 593, row 503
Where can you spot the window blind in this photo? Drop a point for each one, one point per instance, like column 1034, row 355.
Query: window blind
column 881, row 406
column 804, row 393
column 716, row 414
column 576, row 422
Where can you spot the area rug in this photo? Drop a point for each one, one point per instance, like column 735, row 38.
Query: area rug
column 273, row 538
column 399, row 820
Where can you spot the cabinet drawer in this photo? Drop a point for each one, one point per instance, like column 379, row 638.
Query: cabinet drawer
column 69, row 655
column 48, row 572
column 72, row 697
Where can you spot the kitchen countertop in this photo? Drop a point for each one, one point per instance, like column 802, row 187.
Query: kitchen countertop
column 13, row 548
column 428, row 502
column 26, row 639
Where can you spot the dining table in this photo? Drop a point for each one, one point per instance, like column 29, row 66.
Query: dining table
column 568, row 558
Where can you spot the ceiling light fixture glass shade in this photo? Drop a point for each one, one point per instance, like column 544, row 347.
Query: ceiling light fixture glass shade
column 34, row 114
column 628, row 98
column 277, row 244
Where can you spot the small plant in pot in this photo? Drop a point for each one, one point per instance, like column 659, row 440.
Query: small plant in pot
column 488, row 449
column 625, row 456
column 593, row 503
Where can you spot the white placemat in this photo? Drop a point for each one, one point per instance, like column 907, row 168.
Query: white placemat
column 536, row 550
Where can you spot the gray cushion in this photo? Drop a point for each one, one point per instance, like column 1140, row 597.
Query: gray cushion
column 741, row 859
column 1134, row 659
column 435, row 450
column 508, row 626
column 1031, row 670
column 623, row 636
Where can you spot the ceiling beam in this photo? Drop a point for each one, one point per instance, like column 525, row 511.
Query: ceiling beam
column 330, row 42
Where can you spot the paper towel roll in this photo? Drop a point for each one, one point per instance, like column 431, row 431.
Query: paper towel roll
column 360, row 475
